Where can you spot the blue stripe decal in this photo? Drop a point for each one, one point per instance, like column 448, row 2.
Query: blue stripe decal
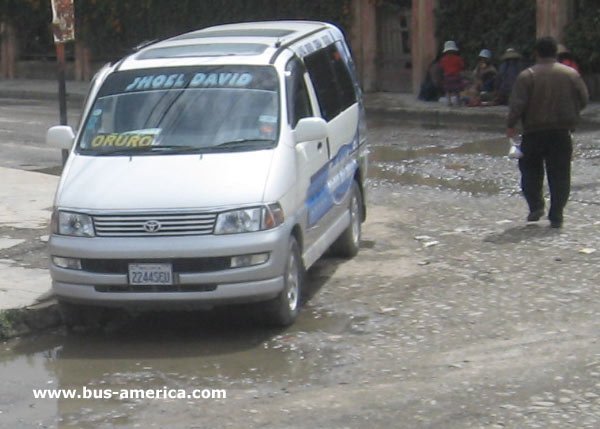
column 331, row 184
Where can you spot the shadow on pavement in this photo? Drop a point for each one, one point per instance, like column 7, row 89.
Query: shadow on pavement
column 522, row 233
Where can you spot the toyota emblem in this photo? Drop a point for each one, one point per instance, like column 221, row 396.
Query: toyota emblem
column 152, row 226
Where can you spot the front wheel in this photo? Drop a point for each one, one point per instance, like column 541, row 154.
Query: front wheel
column 348, row 243
column 80, row 317
column 283, row 310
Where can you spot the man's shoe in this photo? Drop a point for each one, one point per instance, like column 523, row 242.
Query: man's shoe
column 556, row 224
column 535, row 215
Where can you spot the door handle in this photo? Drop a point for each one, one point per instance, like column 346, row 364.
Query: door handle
column 320, row 146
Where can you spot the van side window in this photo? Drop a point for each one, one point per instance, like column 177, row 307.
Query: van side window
column 298, row 101
column 347, row 57
column 332, row 81
column 342, row 74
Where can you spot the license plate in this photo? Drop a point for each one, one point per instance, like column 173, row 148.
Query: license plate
column 150, row 274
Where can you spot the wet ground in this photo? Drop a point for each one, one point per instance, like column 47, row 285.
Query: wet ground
column 455, row 314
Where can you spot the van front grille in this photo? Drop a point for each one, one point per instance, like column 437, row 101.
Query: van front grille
column 143, row 225
column 155, row 288
column 180, row 265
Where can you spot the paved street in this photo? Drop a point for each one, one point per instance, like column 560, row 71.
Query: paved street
column 455, row 314
column 23, row 125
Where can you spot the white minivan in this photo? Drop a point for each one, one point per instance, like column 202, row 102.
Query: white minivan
column 209, row 168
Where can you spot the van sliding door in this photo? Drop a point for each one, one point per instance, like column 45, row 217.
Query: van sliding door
column 329, row 70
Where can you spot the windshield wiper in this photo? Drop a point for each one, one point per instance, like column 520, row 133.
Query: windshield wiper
column 239, row 144
column 174, row 148
column 143, row 150
column 242, row 144
column 119, row 151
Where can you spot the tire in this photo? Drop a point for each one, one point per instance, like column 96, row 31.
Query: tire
column 283, row 310
column 348, row 243
column 79, row 317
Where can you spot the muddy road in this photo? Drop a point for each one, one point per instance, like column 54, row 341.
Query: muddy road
column 455, row 314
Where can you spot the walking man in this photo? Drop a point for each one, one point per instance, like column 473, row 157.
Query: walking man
column 547, row 99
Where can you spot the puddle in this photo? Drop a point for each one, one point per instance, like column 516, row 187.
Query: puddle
column 493, row 147
column 385, row 175
column 434, row 121
column 497, row 147
column 201, row 350
column 389, row 165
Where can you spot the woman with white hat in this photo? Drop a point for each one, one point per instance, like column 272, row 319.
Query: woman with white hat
column 480, row 90
column 485, row 75
column 453, row 66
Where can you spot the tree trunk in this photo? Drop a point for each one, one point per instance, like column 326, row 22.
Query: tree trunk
column 8, row 51
column 83, row 62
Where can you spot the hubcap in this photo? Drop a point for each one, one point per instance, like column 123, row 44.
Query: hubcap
column 355, row 219
column 292, row 282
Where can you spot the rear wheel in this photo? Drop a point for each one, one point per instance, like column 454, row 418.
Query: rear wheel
column 347, row 245
column 284, row 309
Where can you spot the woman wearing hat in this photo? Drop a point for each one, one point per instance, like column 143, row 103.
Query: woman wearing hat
column 453, row 66
column 484, row 75
column 509, row 69
column 566, row 57
column 485, row 72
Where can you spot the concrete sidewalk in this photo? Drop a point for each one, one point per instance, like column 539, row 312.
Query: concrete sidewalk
column 26, row 197
column 25, row 209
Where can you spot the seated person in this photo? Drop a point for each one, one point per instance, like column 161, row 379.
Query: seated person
column 432, row 88
column 509, row 69
column 566, row 57
column 453, row 67
column 484, row 76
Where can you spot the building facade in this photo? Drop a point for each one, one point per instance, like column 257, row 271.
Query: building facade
column 394, row 41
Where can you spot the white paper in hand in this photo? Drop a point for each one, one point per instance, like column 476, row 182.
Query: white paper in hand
column 515, row 150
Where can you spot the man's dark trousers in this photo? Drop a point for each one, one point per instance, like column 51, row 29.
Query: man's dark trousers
column 552, row 149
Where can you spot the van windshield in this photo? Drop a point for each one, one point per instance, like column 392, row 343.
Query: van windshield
column 184, row 110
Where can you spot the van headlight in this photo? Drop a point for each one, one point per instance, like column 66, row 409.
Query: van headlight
column 74, row 224
column 249, row 220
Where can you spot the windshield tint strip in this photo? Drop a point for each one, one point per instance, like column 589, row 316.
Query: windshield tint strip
column 249, row 77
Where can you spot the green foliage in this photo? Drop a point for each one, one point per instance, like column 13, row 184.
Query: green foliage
column 490, row 24
column 31, row 19
column 10, row 320
column 113, row 27
column 582, row 36
column 123, row 24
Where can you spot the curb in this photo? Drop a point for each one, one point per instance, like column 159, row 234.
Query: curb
column 441, row 117
column 461, row 116
column 29, row 320
column 72, row 97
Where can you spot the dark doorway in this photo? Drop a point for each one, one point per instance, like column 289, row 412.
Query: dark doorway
column 394, row 64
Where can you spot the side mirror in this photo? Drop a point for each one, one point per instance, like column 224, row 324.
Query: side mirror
column 60, row 137
column 310, row 129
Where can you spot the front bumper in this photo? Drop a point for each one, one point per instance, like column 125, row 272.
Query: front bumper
column 209, row 285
